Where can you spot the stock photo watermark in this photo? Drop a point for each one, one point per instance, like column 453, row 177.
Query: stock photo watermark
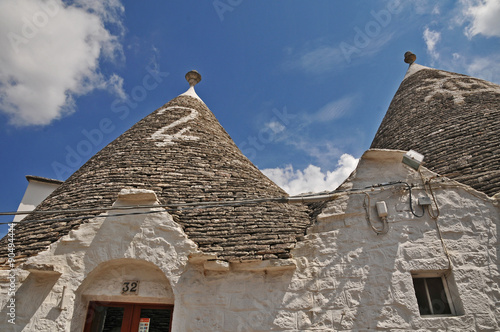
column 11, row 291
column 268, row 134
column 76, row 155
column 223, row 6
column 32, row 25
column 372, row 29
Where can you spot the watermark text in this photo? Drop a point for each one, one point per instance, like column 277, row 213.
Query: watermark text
column 11, row 291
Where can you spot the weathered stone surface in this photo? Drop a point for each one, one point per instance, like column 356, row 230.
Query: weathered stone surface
column 453, row 120
column 347, row 279
column 338, row 276
column 194, row 160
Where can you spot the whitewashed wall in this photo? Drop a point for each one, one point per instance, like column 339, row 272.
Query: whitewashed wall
column 349, row 278
column 35, row 193
column 343, row 276
column 92, row 262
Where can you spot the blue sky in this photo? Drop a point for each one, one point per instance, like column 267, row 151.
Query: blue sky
column 300, row 86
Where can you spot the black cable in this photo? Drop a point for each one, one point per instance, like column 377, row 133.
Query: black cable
column 409, row 189
column 179, row 206
column 411, row 204
column 200, row 205
column 129, row 213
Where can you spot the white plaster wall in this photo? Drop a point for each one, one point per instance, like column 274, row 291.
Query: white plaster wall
column 343, row 276
column 350, row 279
column 35, row 193
column 92, row 262
column 368, row 276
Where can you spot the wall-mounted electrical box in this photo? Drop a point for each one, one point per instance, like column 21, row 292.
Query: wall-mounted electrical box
column 424, row 201
column 382, row 209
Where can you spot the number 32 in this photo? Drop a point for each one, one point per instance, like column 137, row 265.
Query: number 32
column 129, row 287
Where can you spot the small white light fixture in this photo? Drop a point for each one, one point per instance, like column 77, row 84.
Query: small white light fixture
column 413, row 159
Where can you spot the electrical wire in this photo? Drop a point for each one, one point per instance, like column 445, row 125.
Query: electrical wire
column 409, row 187
column 105, row 215
column 307, row 198
column 411, row 203
column 178, row 206
column 435, row 216
column 304, row 199
column 443, row 244
column 428, row 190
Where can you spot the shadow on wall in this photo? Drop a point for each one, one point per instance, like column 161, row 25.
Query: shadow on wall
column 30, row 296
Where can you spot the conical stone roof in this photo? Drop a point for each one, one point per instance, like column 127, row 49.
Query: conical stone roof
column 453, row 120
column 182, row 153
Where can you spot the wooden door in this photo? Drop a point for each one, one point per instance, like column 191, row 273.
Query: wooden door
column 128, row 317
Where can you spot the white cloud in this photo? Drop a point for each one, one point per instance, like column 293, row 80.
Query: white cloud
column 333, row 110
column 320, row 57
column 275, row 126
column 484, row 16
column 303, row 135
column 312, row 179
column 325, row 151
column 51, row 53
column 115, row 85
column 423, row 7
column 109, row 10
column 485, row 68
column 431, row 38
column 323, row 58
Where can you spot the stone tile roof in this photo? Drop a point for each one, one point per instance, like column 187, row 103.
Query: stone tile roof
column 453, row 120
column 182, row 153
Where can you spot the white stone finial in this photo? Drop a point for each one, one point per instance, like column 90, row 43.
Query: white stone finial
column 193, row 77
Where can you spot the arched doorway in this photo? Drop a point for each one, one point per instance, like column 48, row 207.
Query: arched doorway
column 126, row 295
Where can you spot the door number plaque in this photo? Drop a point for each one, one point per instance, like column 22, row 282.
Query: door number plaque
column 130, row 287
